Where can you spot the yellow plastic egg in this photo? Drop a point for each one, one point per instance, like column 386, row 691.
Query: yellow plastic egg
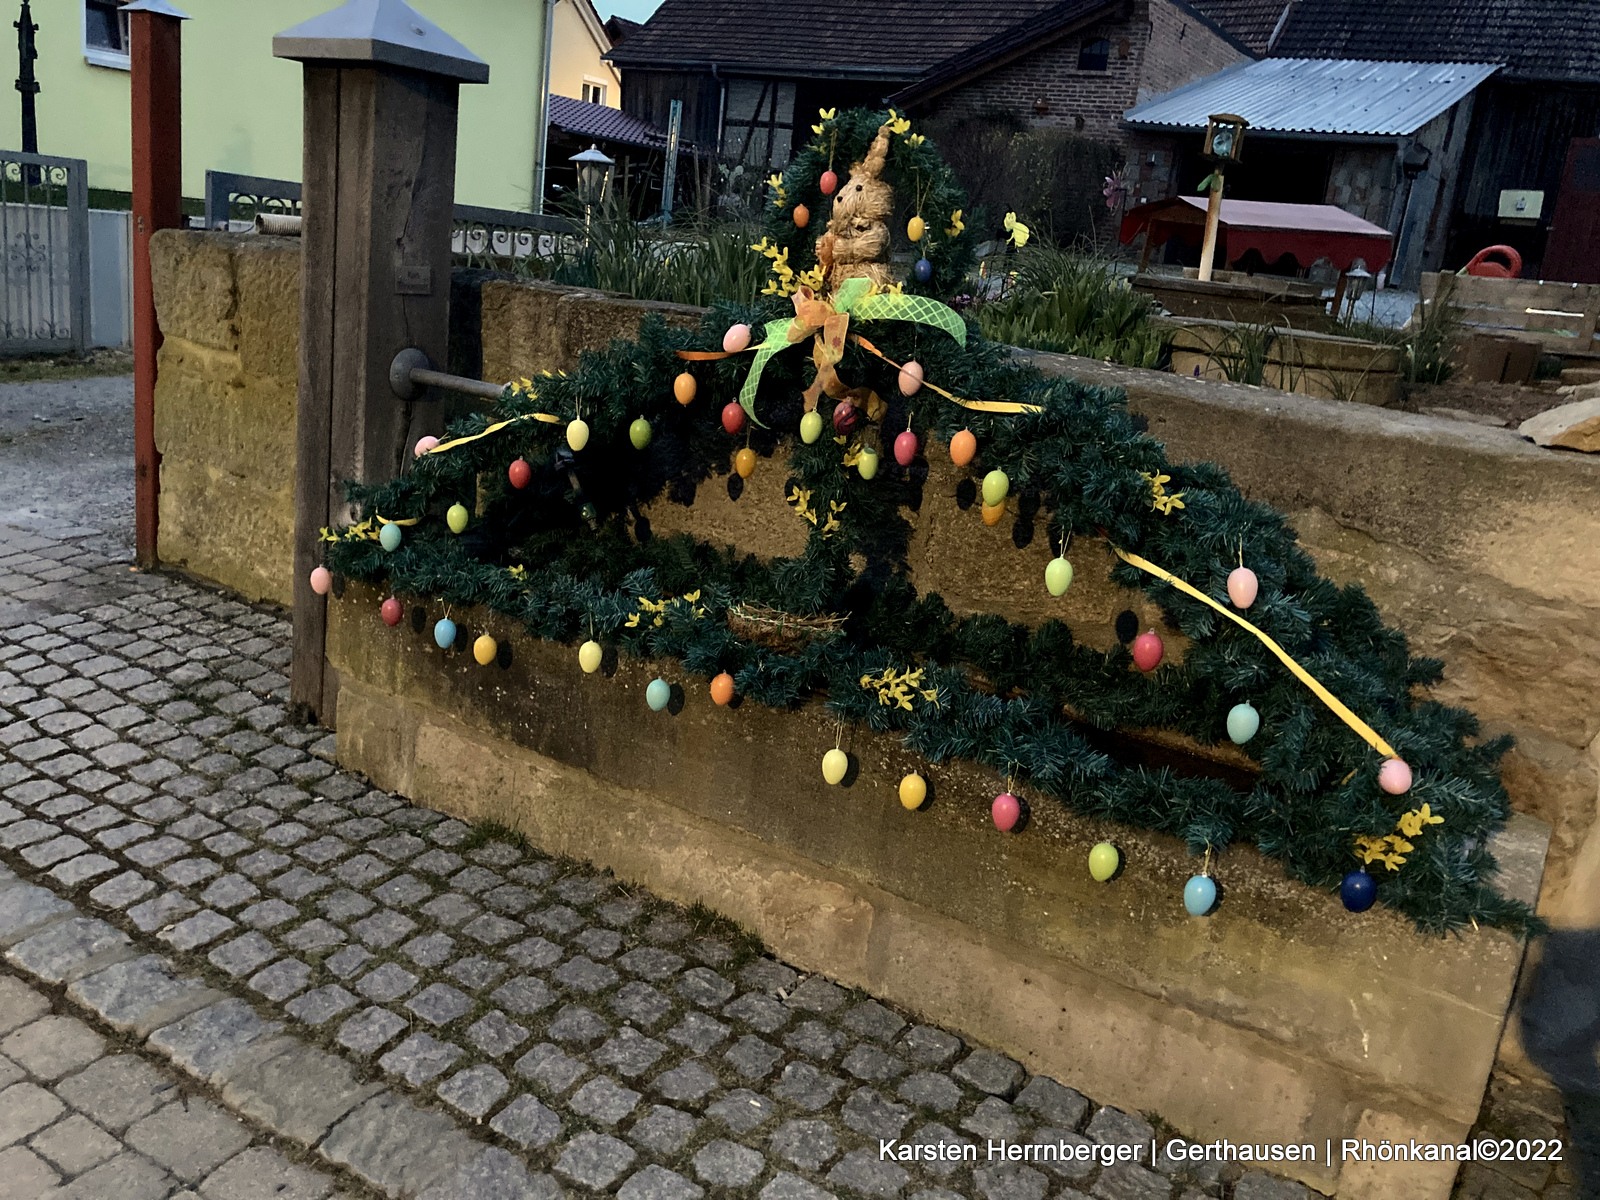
column 915, row 228
column 913, row 791
column 456, row 518
column 589, row 656
column 835, row 763
column 744, row 462
column 484, row 650
column 577, row 434
column 684, row 388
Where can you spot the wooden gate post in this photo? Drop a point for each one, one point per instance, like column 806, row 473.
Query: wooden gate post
column 155, row 29
column 381, row 90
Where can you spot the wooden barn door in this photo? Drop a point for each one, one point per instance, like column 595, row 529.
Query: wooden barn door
column 1573, row 251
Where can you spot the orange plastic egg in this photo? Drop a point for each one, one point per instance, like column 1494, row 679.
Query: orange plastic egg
column 744, row 462
column 993, row 512
column 684, row 388
column 963, row 447
column 802, row 216
column 722, row 689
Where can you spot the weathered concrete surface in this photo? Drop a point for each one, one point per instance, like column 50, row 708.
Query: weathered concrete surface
column 1110, row 988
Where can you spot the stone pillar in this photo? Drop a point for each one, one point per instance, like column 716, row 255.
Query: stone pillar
column 381, row 87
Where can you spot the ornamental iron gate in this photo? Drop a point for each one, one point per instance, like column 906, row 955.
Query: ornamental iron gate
column 44, row 254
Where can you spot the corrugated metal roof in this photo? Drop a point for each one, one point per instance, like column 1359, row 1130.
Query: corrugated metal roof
column 1319, row 95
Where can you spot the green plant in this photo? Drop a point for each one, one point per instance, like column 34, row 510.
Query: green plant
column 1073, row 303
column 700, row 262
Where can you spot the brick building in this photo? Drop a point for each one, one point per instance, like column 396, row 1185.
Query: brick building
column 751, row 74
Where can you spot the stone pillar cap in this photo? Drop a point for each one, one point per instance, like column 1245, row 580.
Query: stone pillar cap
column 379, row 31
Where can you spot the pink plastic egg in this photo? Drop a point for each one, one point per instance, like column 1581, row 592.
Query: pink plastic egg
column 911, row 378
column 1394, row 776
column 829, row 183
column 736, row 339
column 321, row 580
column 1242, row 587
column 1147, row 650
column 905, row 448
column 1006, row 811
column 425, row 444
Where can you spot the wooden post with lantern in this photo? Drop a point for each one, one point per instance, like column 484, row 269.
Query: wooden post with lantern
column 1224, row 139
column 381, row 91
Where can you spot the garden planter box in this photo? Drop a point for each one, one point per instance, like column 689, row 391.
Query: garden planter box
column 1279, row 1018
column 1312, row 364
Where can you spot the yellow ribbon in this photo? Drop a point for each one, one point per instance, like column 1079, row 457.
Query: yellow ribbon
column 547, row 418
column 1006, row 407
column 1367, row 733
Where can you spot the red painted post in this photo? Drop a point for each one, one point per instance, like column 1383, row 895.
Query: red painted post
column 156, row 58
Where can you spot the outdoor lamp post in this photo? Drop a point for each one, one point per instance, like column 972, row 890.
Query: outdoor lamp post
column 27, row 82
column 594, row 179
column 1224, row 141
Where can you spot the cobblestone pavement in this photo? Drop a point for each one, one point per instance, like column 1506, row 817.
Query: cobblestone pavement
column 81, row 1117
column 616, row 1043
column 430, row 1005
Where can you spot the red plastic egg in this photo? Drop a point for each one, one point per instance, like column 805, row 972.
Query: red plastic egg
column 1147, row 650
column 733, row 417
column 1006, row 812
column 391, row 611
column 829, row 183
column 519, row 473
column 905, row 448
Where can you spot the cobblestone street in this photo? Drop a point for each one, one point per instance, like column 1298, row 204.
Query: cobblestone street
column 405, row 1003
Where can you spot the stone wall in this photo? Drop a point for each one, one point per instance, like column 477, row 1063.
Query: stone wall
column 1483, row 548
column 229, row 311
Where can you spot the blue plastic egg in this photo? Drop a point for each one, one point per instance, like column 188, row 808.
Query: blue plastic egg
column 658, row 695
column 1199, row 895
column 1243, row 722
column 923, row 270
column 1358, row 891
column 389, row 537
column 444, row 633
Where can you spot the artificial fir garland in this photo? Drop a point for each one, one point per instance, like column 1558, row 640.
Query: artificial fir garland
column 570, row 556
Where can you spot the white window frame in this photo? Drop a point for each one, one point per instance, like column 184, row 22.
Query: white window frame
column 590, row 81
column 99, row 56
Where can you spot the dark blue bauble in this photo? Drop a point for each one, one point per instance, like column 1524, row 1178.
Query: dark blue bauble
column 923, row 270
column 1358, row 891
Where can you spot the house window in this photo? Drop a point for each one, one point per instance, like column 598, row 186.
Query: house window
column 105, row 33
column 758, row 123
column 1094, row 55
column 594, row 93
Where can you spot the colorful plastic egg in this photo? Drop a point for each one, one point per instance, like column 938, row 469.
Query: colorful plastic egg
column 905, row 448
column 1005, row 812
column 1358, row 891
column 835, row 765
column 811, row 427
column 640, row 433
column 1394, row 776
column 389, row 537
column 733, row 417
column 802, row 216
column 1058, row 576
column 829, row 183
column 867, row 464
column 444, row 633
column 577, row 434
column 1148, row 649
column 911, row 379
column 321, row 580
column 456, row 518
column 1243, row 722
column 744, row 463
column 424, row 444
column 736, row 339
column 485, row 649
column 1199, row 895
column 391, row 611
column 1104, row 860
column 519, row 473
column 684, row 388
column 963, row 448
column 722, row 690
column 589, row 656
column 1243, row 587
column 913, row 791
column 996, row 487
column 658, row 695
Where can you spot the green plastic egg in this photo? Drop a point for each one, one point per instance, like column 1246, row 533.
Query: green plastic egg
column 996, row 487
column 1104, row 860
column 1243, row 722
column 810, row 427
column 456, row 518
column 389, row 537
column 1058, row 576
column 867, row 464
column 640, row 433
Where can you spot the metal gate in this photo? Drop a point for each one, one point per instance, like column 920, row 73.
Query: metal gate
column 44, row 253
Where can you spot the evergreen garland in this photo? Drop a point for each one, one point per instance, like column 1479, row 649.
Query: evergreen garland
column 573, row 563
